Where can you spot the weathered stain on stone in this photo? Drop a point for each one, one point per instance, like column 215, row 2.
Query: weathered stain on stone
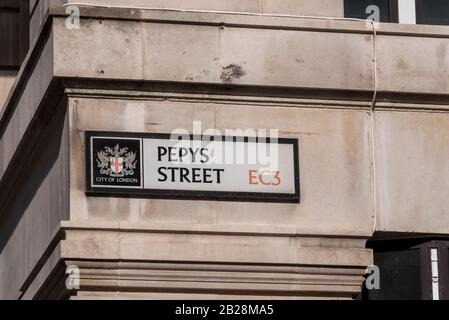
column 232, row 72
column 402, row 65
column 192, row 77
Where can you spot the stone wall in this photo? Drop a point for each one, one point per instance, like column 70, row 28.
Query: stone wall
column 364, row 166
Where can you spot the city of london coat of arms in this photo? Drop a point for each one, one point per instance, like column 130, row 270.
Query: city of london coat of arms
column 116, row 162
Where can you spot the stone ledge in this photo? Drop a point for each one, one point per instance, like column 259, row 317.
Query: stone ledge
column 191, row 248
column 213, row 229
column 150, row 280
column 103, row 268
column 261, row 20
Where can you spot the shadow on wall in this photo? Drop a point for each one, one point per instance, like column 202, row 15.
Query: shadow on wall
column 40, row 197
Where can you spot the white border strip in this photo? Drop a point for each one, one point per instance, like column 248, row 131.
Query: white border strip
column 407, row 11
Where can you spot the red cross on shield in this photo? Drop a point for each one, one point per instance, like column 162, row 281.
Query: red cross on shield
column 117, row 164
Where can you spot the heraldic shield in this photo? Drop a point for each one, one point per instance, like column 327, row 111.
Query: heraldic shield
column 116, row 161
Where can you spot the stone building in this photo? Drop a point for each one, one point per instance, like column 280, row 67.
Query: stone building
column 366, row 102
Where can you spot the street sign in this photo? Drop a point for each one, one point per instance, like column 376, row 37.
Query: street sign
column 192, row 167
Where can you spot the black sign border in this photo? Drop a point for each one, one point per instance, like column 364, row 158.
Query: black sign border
column 187, row 194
